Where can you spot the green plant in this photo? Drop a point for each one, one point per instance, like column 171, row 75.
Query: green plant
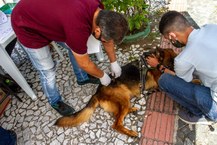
column 136, row 12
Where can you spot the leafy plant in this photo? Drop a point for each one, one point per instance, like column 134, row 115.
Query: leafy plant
column 135, row 11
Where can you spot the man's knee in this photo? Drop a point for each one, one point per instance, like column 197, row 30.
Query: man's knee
column 164, row 79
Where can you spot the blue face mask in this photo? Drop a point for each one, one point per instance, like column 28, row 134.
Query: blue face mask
column 177, row 44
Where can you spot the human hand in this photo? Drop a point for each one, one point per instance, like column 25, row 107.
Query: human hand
column 116, row 69
column 105, row 80
column 152, row 60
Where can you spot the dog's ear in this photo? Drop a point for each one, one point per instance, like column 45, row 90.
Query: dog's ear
column 168, row 58
column 149, row 52
column 159, row 54
column 172, row 53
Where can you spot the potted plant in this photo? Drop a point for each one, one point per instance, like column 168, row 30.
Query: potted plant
column 136, row 13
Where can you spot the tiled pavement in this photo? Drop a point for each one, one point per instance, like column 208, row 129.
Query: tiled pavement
column 161, row 124
column 159, row 121
column 33, row 121
column 155, row 121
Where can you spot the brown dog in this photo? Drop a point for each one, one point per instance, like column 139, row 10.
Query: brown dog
column 165, row 57
column 115, row 98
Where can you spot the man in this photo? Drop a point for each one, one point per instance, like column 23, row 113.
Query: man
column 38, row 22
column 198, row 57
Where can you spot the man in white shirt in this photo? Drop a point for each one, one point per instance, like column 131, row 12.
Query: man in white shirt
column 199, row 57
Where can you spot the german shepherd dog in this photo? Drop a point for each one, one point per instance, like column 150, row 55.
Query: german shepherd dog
column 115, row 97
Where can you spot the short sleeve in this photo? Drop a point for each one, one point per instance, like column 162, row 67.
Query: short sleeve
column 77, row 41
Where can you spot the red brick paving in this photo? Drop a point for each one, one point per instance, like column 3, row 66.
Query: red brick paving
column 158, row 127
column 159, row 122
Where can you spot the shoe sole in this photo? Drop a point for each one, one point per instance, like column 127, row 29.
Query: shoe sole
column 198, row 123
column 87, row 83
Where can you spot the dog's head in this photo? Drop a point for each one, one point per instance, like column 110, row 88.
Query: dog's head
column 165, row 57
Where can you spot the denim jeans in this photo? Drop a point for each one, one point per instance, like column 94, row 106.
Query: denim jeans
column 6, row 138
column 81, row 75
column 44, row 64
column 196, row 98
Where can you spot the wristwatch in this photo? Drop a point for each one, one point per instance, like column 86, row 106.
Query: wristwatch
column 160, row 68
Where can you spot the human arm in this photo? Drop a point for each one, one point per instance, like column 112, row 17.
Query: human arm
column 110, row 50
column 88, row 66
column 153, row 62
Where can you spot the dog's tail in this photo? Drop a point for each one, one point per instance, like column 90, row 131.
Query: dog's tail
column 80, row 116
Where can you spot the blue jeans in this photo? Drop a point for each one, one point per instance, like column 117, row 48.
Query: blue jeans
column 196, row 98
column 6, row 138
column 81, row 75
column 43, row 62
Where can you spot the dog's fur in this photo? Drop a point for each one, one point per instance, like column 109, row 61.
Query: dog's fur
column 116, row 97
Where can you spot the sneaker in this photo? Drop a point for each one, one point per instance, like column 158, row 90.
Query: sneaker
column 63, row 109
column 91, row 80
column 190, row 118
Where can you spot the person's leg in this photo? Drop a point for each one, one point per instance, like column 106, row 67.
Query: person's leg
column 7, row 137
column 195, row 98
column 81, row 75
column 180, row 91
column 43, row 62
column 205, row 102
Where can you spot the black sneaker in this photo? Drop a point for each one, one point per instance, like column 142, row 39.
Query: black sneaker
column 91, row 80
column 63, row 109
column 190, row 118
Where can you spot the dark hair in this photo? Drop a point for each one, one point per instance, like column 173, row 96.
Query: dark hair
column 113, row 25
column 173, row 21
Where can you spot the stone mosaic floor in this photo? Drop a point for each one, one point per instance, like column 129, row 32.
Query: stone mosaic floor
column 33, row 120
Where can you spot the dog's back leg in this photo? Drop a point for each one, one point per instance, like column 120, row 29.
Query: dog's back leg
column 117, row 100
column 118, row 124
column 124, row 109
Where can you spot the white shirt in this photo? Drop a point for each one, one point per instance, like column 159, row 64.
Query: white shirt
column 200, row 57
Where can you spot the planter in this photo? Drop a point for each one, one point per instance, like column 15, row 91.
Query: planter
column 7, row 8
column 138, row 35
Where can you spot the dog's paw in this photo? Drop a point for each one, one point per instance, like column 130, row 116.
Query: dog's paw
column 132, row 133
column 133, row 109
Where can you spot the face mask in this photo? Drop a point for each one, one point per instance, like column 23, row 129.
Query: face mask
column 177, row 44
